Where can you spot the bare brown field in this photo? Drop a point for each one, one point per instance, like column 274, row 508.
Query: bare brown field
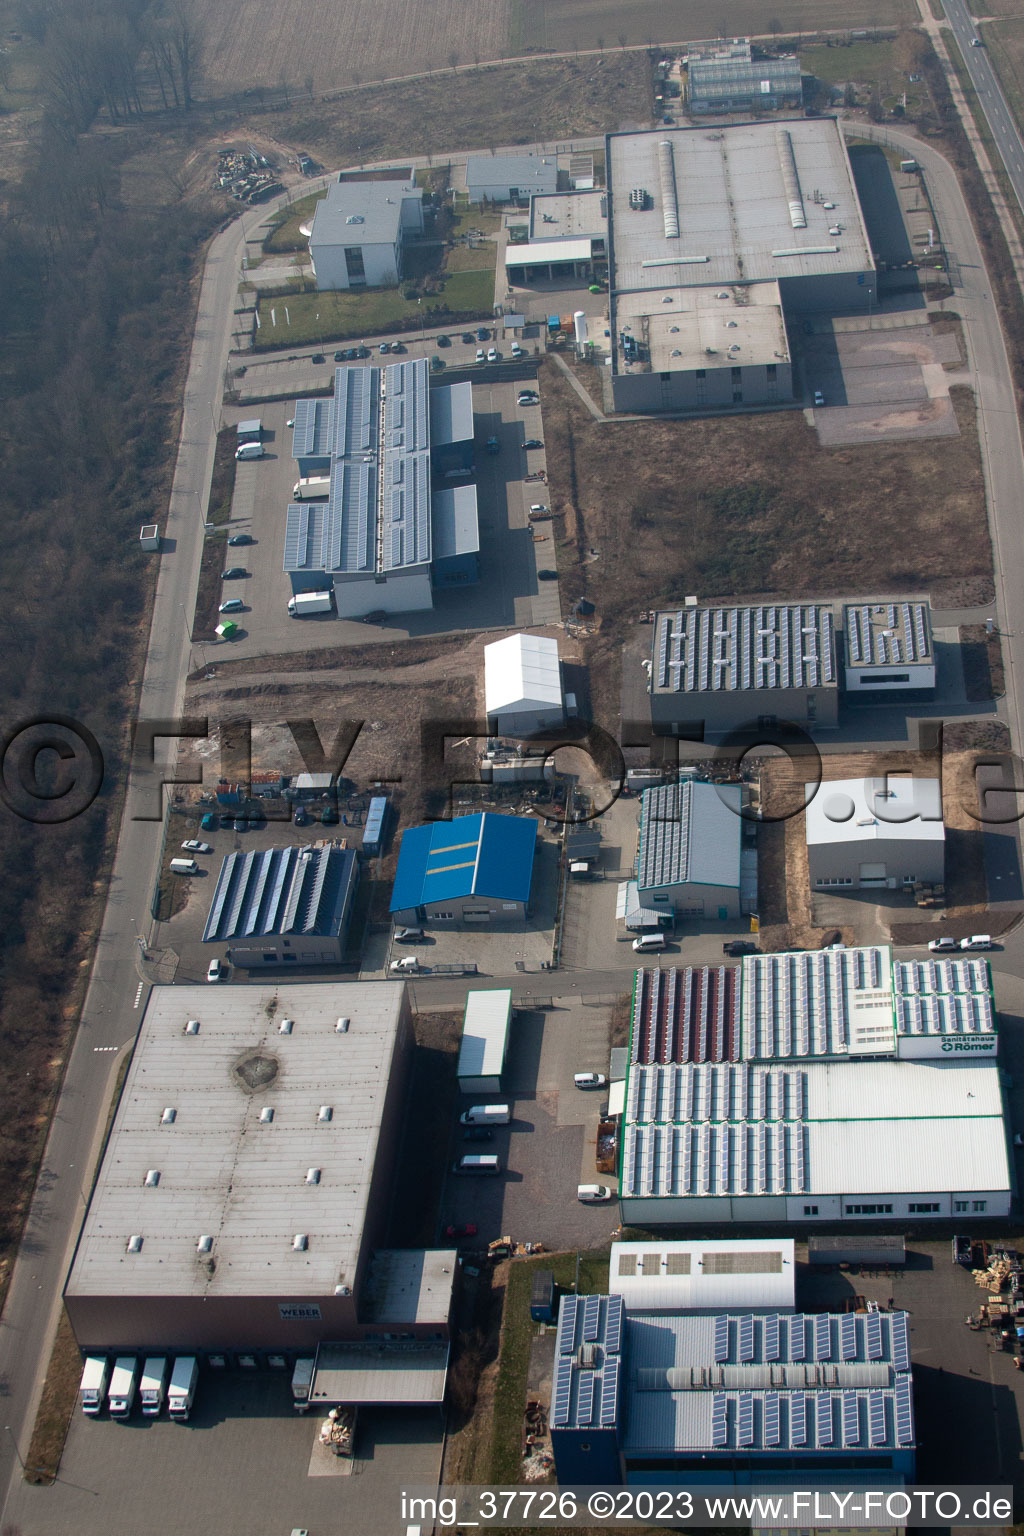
column 565, row 24
column 271, row 42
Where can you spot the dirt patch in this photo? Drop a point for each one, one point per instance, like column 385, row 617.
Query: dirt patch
column 206, row 617
column 982, row 657
column 351, row 657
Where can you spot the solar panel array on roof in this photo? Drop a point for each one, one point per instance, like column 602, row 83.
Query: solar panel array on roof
column 584, row 1413
column 562, row 1391
column 313, row 432
column 700, row 650
column 614, row 1311
column 566, row 1338
column 720, row 1419
column 803, row 1004
column 609, row 1394
column 900, row 1338
column 745, row 1420
column 944, row 997
column 904, row 1412
column 281, row 890
column 888, row 634
column 591, row 1317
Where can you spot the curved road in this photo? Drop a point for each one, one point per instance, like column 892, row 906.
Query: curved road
column 115, row 997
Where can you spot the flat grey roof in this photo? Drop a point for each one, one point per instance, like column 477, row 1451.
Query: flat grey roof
column 733, row 649
column 456, row 522
column 686, row 328
column 528, row 172
column 410, row 1285
column 887, row 634
column 569, row 215
column 225, row 1171
column 451, row 414
column 690, row 833
column 361, row 213
column 730, row 189
column 384, row 1371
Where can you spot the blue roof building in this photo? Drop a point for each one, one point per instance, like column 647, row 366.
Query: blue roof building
column 729, row 1398
column 284, row 906
column 474, row 869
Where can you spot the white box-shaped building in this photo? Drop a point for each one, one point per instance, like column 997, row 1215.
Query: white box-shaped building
column 708, row 1275
column 888, row 647
column 358, row 231
column 485, row 1033
column 523, row 685
column 875, row 834
column 510, row 178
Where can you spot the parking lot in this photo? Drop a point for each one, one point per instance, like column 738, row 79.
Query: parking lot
column 509, row 592
column 881, row 378
column 550, row 1146
column 243, row 1464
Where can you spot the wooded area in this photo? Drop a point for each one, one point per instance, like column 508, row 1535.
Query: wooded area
column 94, row 299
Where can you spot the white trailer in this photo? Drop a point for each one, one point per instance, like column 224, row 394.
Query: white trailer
column 309, row 602
column 182, row 1389
column 124, row 1381
column 315, row 488
column 302, row 1381
column 153, row 1385
column 92, row 1389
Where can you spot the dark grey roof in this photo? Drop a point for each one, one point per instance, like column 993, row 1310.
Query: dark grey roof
column 405, row 466
column 589, row 1368
column 530, row 172
column 776, row 645
column 282, row 890
column 451, row 414
column 690, row 833
column 313, row 433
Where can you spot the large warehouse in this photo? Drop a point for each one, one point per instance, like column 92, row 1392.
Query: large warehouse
column 284, row 906
column 690, row 850
column 739, row 668
column 731, row 1398
column 473, row 871
column 827, row 1086
column 875, row 834
column 716, row 235
column 383, row 539
column 246, row 1183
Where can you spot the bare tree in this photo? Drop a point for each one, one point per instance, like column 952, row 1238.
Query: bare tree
column 453, row 58
column 600, row 44
column 308, row 83
column 622, row 39
column 188, row 40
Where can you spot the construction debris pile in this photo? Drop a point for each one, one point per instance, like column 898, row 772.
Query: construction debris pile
column 999, row 1272
column 246, row 175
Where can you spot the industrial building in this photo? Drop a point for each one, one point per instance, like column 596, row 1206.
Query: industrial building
column 708, row 1275
column 730, row 1398
column 523, row 685
column 472, row 871
column 831, row 1086
column 358, row 232
column 486, row 1025
column 888, row 647
column 246, row 1183
column 284, row 906
column 875, row 834
column 690, row 857
column 721, row 669
column 385, row 537
column 727, row 78
column 567, row 232
column 717, row 235
column 509, row 178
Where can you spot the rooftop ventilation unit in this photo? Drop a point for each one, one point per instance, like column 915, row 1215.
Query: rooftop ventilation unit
column 300, row 1242
column 266, row 1116
column 669, row 206
column 168, row 1117
column 152, row 1178
column 312, row 1175
column 343, row 1290
column 790, row 179
column 342, row 1025
column 205, row 1244
column 325, row 1113
column 192, row 1027
column 286, row 1026
column 135, row 1243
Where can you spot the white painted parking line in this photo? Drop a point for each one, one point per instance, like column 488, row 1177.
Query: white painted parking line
column 97, row 1049
column 138, row 994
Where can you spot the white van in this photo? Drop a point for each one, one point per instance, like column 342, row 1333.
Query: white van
column 487, row 1114
column 478, row 1163
column 249, row 451
column 593, row 1194
column 648, row 941
column 184, row 867
column 977, row 941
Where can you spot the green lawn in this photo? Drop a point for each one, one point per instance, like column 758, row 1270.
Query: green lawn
column 324, row 317
column 285, row 234
column 864, row 61
column 516, row 1333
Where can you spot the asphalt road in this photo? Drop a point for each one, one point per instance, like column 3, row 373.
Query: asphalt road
column 990, row 94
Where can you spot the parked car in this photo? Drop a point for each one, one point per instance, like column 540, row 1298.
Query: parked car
column 238, row 539
column 477, row 1133
column 547, row 575
column 301, row 817
column 739, row 947
column 590, row 1080
column 329, row 816
column 976, row 42
column 492, row 354
column 409, row 935
column 318, row 357
column 437, row 363
column 231, row 605
column 398, row 346
column 481, row 355
column 234, row 573
column 593, row 1194
column 467, row 1229
column 210, row 822
column 361, row 351
column 819, row 398
column 443, row 341
column 407, row 963
column 977, row 941
column 385, row 346
column 528, row 397
column 195, row 846
column 539, row 510
column 240, row 824
column 517, row 350
column 468, row 338
column 943, row 945
column 216, row 971
column 533, row 442
column 483, row 334
column 339, row 357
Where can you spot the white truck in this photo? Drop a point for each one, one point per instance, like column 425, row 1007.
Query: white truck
column 302, row 1381
column 182, row 1389
column 153, row 1385
column 309, row 602
column 124, row 1381
column 92, row 1389
column 312, row 489
column 487, row 1114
